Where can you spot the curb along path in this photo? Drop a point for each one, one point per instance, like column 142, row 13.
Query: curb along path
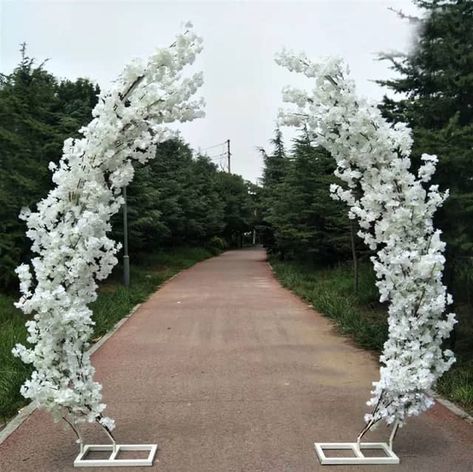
column 228, row 371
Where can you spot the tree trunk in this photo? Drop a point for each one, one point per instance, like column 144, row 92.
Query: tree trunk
column 355, row 256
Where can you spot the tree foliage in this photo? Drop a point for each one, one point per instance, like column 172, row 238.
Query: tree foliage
column 175, row 199
column 305, row 221
column 434, row 94
column 37, row 113
column 180, row 199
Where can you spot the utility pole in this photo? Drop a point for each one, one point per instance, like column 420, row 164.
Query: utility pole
column 228, row 156
column 126, row 259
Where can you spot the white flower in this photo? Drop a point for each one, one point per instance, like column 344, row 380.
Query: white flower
column 107, row 422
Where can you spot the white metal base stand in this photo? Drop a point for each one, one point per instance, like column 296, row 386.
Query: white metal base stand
column 387, row 455
column 358, row 457
column 112, row 461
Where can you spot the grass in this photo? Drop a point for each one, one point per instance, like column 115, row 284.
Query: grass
column 457, row 383
column 12, row 371
column 113, row 303
column 362, row 317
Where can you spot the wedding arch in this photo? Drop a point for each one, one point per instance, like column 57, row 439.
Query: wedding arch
column 69, row 232
column 394, row 208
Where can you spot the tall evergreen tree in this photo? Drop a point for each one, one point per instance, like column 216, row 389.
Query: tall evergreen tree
column 274, row 171
column 307, row 222
column 37, row 114
column 274, row 163
column 173, row 200
column 239, row 206
column 434, row 94
column 203, row 206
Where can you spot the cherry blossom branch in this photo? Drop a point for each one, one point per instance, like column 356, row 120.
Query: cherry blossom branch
column 69, row 230
column 395, row 215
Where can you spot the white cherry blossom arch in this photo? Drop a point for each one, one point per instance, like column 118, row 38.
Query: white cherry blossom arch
column 69, row 228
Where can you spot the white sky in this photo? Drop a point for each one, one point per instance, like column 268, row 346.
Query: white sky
column 95, row 39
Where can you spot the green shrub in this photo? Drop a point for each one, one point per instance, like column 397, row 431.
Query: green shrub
column 217, row 244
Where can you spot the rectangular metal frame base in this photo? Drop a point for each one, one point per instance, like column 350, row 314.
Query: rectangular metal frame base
column 112, row 461
column 359, row 458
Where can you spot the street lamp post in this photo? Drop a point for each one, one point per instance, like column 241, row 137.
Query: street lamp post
column 126, row 259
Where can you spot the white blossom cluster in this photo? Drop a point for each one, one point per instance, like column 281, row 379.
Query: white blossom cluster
column 394, row 209
column 69, row 228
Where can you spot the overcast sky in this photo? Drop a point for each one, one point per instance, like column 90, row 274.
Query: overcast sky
column 95, row 39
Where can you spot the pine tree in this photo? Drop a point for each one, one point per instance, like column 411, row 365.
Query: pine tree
column 307, row 222
column 434, row 94
column 238, row 205
column 274, row 163
column 274, row 171
column 36, row 116
column 203, row 207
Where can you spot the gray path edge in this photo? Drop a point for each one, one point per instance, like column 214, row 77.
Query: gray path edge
column 449, row 405
column 29, row 409
column 454, row 408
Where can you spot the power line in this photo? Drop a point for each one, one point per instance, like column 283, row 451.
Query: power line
column 222, row 154
column 225, row 154
column 214, row 146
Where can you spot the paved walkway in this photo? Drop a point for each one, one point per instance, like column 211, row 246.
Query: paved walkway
column 230, row 372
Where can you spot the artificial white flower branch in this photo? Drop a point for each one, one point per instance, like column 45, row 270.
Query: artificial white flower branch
column 70, row 226
column 394, row 209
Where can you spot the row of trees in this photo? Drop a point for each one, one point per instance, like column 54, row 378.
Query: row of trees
column 433, row 93
column 175, row 199
column 37, row 113
column 301, row 220
column 180, row 199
